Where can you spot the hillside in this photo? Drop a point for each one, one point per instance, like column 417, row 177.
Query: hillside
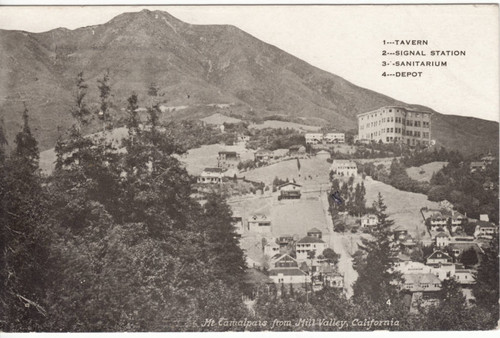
column 194, row 66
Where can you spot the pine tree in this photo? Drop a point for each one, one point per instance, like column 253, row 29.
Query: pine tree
column 224, row 253
column 486, row 287
column 377, row 281
column 23, row 236
column 105, row 95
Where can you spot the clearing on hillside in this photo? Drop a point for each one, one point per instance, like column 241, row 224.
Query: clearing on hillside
column 424, row 172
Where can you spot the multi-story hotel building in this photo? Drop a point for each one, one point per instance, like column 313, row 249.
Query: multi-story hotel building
column 395, row 124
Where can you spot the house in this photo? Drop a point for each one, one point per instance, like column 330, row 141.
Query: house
column 437, row 220
column 289, row 190
column 457, row 220
column 464, row 276
column 227, row 159
column 263, row 155
column 439, row 256
column 407, row 242
column 326, row 275
column 309, row 244
column 211, row 175
column 344, row 168
column 285, row 270
column 477, row 166
column 289, row 276
column 369, row 220
column 442, row 240
column 323, row 154
column 284, row 241
column 331, row 138
column 283, row 261
column 315, row 232
column 243, row 138
column 485, row 229
column 259, row 223
column 314, row 138
column 421, row 282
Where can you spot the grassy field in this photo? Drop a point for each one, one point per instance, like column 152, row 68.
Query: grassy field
column 312, row 171
column 198, row 159
column 402, row 206
column 284, row 124
column 424, row 172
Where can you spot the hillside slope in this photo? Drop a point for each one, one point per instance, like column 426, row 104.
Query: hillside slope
column 193, row 65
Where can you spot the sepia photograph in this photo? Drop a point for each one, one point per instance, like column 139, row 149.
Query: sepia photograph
column 249, row 168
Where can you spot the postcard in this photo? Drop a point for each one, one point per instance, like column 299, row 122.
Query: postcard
column 249, row 168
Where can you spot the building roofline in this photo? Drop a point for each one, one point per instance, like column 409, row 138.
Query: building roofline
column 407, row 109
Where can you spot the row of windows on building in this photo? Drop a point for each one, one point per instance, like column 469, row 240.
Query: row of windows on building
column 409, row 123
column 397, row 111
column 398, row 139
column 400, row 131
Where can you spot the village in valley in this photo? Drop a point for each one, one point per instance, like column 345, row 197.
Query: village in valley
column 302, row 212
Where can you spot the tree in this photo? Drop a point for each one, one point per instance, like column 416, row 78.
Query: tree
column 223, row 251
column 105, row 94
column 376, row 281
column 486, row 287
column 23, row 235
column 80, row 111
column 453, row 312
column 469, row 257
column 331, row 256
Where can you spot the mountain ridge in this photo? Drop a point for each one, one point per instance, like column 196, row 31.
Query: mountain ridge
column 192, row 65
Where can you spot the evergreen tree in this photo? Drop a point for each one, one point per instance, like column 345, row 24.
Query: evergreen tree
column 376, row 281
column 487, row 281
column 223, row 251
column 23, row 235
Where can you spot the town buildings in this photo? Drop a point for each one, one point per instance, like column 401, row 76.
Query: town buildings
column 369, row 220
column 394, row 124
column 314, row 138
column 228, row 159
column 259, row 223
column 211, row 175
column 289, row 190
column 328, row 138
column 307, row 245
column 344, row 168
column 285, row 270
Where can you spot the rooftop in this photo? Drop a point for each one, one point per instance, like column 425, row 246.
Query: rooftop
column 214, row 170
column 309, row 239
column 287, row 272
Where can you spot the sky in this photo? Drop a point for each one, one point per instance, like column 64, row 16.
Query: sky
column 346, row 41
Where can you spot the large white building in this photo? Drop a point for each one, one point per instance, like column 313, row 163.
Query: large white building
column 395, row 124
column 308, row 244
column 211, row 175
column 328, row 138
column 344, row 168
column 314, row 138
column 334, row 138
